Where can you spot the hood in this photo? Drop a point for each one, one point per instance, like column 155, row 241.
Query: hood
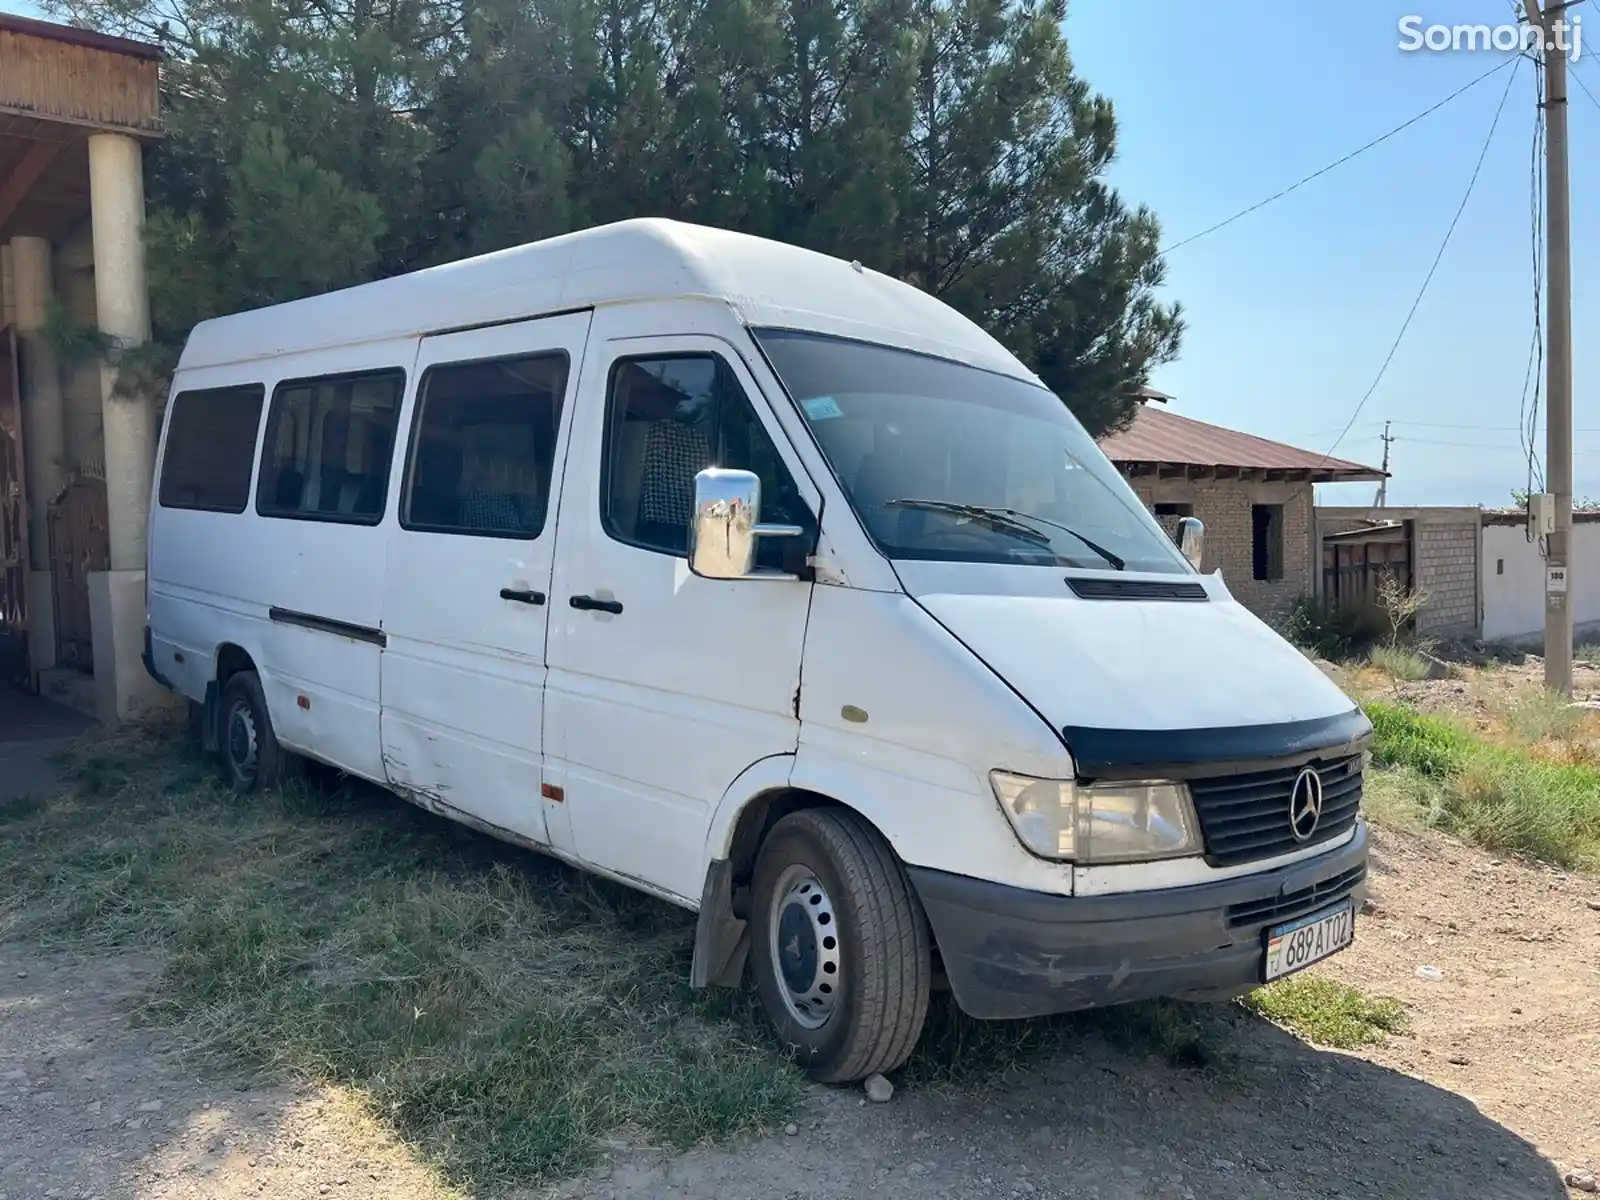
column 1126, row 664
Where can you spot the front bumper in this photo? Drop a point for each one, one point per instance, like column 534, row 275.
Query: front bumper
column 1014, row 953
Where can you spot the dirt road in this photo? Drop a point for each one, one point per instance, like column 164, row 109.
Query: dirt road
column 1490, row 1096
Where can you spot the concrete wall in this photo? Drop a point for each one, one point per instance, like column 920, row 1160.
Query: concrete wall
column 1513, row 580
column 1224, row 505
column 1446, row 573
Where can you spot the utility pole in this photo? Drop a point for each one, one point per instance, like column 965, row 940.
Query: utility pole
column 1383, row 484
column 1558, row 353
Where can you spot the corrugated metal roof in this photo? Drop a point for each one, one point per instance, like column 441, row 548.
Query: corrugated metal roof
column 1157, row 436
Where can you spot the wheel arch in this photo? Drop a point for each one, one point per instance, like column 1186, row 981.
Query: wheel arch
column 756, row 801
column 229, row 659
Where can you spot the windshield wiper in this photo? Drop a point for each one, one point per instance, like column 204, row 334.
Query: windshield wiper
column 1010, row 520
column 996, row 519
column 1114, row 561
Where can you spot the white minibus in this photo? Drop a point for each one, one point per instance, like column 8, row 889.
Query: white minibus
column 771, row 586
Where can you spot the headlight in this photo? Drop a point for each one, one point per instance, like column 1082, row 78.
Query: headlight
column 1099, row 823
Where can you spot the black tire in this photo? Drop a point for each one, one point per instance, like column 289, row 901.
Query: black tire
column 252, row 760
column 870, row 1020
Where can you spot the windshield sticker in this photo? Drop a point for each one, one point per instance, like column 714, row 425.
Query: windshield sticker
column 822, row 408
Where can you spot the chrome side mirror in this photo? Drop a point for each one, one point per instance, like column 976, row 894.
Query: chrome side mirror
column 724, row 525
column 1191, row 539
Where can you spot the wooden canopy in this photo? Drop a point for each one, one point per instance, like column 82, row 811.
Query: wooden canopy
column 58, row 85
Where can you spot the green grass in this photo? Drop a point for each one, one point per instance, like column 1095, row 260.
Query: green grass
column 500, row 1012
column 1399, row 662
column 1502, row 797
column 1429, row 746
column 1329, row 1013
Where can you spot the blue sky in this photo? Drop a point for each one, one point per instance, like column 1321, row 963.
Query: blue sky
column 1291, row 310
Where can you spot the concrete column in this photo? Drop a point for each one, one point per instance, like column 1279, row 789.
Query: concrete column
column 122, row 304
column 43, row 423
column 117, row 596
column 43, row 434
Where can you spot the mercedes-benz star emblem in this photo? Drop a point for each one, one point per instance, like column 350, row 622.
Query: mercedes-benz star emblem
column 1305, row 804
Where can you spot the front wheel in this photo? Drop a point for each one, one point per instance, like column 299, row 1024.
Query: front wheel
column 841, row 947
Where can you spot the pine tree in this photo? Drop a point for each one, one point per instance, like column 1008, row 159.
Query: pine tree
column 948, row 142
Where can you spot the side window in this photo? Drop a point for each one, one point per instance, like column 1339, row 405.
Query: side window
column 328, row 448
column 211, row 448
column 482, row 447
column 667, row 419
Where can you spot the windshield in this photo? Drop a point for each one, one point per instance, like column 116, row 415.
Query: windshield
column 950, row 462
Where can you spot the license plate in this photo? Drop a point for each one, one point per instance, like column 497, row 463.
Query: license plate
column 1298, row 944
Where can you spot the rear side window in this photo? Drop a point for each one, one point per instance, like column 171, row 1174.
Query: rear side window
column 482, row 447
column 211, row 448
column 328, row 448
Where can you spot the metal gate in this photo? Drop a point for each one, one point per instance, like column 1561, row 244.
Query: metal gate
column 1356, row 562
column 80, row 542
column 13, row 522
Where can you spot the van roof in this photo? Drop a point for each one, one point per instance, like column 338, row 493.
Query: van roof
column 765, row 282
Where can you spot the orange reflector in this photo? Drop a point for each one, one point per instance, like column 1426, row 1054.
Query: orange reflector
column 551, row 792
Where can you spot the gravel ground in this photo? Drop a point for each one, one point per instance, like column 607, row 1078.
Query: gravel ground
column 93, row 1106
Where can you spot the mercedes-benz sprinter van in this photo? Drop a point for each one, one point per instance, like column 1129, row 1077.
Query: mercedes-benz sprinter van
column 773, row 587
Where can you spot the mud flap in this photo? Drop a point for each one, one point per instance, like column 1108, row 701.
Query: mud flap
column 721, row 940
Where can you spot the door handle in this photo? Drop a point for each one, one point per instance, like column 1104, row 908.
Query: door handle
column 590, row 604
column 522, row 595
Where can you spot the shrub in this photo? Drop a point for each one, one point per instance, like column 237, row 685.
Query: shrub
column 1330, row 631
column 1400, row 662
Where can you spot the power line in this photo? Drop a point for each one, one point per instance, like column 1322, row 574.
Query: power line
column 1333, row 165
column 1476, row 428
column 1411, row 441
column 1437, row 258
column 1577, row 78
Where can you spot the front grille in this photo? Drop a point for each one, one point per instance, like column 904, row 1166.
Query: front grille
column 1246, row 817
column 1134, row 589
column 1274, row 910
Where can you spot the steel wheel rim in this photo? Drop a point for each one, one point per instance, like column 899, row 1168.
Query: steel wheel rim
column 803, row 939
column 244, row 747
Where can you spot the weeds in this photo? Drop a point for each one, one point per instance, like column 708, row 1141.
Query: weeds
column 1536, row 718
column 1329, row 1013
column 1400, row 663
column 1501, row 797
column 1427, row 745
column 1330, row 631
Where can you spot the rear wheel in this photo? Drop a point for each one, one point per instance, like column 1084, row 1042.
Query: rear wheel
column 841, row 947
column 252, row 760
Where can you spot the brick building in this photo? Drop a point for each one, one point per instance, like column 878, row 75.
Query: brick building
column 1254, row 496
